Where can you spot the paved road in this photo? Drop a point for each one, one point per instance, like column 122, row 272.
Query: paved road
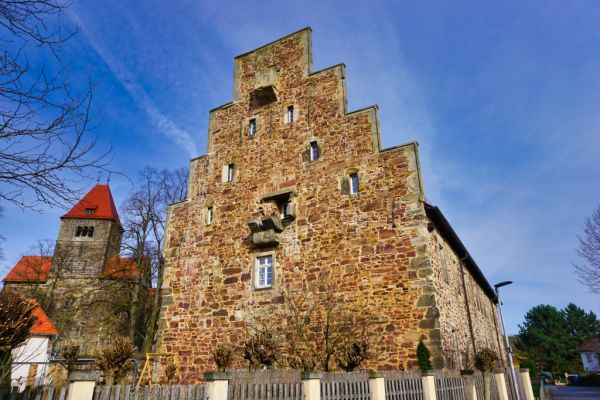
column 574, row 393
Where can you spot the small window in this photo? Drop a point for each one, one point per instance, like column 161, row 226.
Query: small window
column 252, row 127
column 78, row 231
column 230, row 172
column 264, row 271
column 289, row 115
column 90, row 231
column 284, row 208
column 314, row 151
column 209, row 215
column 354, row 188
column 442, row 255
column 90, row 211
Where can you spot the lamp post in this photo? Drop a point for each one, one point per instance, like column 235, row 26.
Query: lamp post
column 508, row 348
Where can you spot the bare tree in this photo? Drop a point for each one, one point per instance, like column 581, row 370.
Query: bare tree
column 313, row 330
column 16, row 319
column 47, row 139
column 144, row 218
column 589, row 250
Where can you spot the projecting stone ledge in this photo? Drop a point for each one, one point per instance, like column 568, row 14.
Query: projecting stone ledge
column 264, row 231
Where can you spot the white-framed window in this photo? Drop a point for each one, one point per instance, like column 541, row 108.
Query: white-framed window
column 230, row 172
column 209, row 215
column 252, row 127
column 264, row 271
column 289, row 115
column 590, row 357
column 314, row 151
column 442, row 255
column 354, row 188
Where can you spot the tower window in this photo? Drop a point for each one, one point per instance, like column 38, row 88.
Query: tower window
column 442, row 255
column 252, row 127
column 264, row 271
column 78, row 231
column 90, row 211
column 230, row 172
column 209, row 215
column 84, row 231
column 284, row 208
column 354, row 188
column 289, row 115
column 314, row 151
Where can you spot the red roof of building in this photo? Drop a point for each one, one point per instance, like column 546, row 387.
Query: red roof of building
column 42, row 325
column 30, row 269
column 119, row 268
column 591, row 346
column 97, row 204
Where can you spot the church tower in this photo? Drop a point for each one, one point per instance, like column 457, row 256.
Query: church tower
column 89, row 236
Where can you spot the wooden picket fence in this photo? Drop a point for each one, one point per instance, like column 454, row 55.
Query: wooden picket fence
column 449, row 385
column 154, row 392
column 403, row 385
column 36, row 393
column 345, row 386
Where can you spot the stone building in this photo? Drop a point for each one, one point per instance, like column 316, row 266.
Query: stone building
column 83, row 285
column 295, row 191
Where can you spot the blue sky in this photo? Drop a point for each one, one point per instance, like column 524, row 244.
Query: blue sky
column 503, row 98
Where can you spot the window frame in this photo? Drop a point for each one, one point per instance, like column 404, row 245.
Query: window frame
column 443, row 264
column 252, row 127
column 351, row 177
column 290, row 114
column 210, row 215
column 230, row 172
column 257, row 271
column 313, row 152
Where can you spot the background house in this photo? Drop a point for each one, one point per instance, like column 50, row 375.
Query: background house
column 590, row 355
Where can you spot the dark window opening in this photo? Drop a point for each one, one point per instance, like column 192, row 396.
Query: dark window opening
column 289, row 116
column 252, row 127
column 354, row 188
column 314, row 151
column 90, row 211
column 230, row 172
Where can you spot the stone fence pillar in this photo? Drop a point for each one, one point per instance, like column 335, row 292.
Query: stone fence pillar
column 311, row 382
column 82, row 384
column 377, row 386
column 501, row 384
column 428, row 381
column 217, row 385
column 470, row 390
column 526, row 379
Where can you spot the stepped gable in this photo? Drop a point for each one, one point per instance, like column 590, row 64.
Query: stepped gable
column 30, row 269
column 97, row 204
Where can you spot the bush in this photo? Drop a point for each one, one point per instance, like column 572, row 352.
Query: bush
column 485, row 359
column 261, row 350
column 533, row 372
column 113, row 359
column 352, row 356
column 223, row 357
column 423, row 357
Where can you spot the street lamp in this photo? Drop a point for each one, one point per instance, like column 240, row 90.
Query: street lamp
column 508, row 349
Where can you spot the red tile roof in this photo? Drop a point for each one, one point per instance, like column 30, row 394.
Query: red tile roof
column 97, row 204
column 30, row 269
column 42, row 325
column 119, row 268
column 593, row 346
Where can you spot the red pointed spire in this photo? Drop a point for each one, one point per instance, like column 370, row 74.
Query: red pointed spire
column 97, row 204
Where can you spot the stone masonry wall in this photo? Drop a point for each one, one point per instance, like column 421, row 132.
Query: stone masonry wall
column 372, row 245
column 456, row 335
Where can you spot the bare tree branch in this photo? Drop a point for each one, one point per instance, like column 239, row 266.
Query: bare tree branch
column 589, row 250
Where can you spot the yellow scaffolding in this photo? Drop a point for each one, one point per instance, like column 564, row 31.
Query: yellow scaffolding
column 150, row 357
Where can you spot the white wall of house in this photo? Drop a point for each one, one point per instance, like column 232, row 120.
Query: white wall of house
column 590, row 360
column 35, row 351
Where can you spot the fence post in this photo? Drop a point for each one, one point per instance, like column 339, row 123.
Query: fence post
column 311, row 382
column 501, row 384
column 470, row 391
column 526, row 379
column 377, row 386
column 217, row 385
column 82, row 384
column 428, row 381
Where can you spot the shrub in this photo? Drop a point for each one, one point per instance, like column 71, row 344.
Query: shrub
column 423, row 357
column 113, row 359
column 352, row 356
column 70, row 355
column 485, row 359
column 223, row 357
column 260, row 350
column 533, row 372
